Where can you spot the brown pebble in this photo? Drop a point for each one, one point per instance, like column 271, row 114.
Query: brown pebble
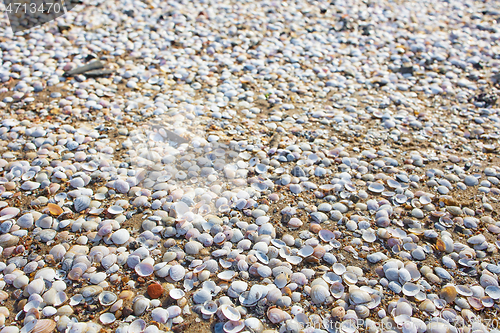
column 127, row 312
column 155, row 290
column 180, row 328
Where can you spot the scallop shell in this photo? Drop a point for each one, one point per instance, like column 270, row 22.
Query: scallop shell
column 81, row 203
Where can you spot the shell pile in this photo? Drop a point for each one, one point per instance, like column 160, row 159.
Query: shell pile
column 251, row 166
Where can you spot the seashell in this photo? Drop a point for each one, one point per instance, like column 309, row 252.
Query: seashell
column 226, row 275
column 137, row 326
column 255, row 294
column 475, row 303
column 8, row 240
column 141, row 304
column 107, row 298
column 160, row 315
column 318, row 294
column 107, row 318
column 115, row 210
column 488, row 280
column 120, row 236
column 54, row 209
column 376, row 187
column 338, row 268
column 118, row 305
column 254, row 325
column 410, row 289
column 233, row 326
column 276, row 315
column 402, row 308
column 91, row 291
column 337, row 289
column 201, row 296
column 229, row 312
column 81, row 203
column 492, row 291
column 177, row 272
column 209, row 308
column 326, row 235
column 448, row 293
column 173, row 311
column 144, row 269
column 36, row 286
column 176, row 293
column 44, row 326
column 358, row 296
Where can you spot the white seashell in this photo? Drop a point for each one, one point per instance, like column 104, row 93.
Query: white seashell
column 115, row 210
column 174, row 311
column 107, row 318
column 141, row 304
column 319, row 293
column 230, row 313
column 107, row 298
column 337, row 289
column 306, row 251
column 234, row 326
column 120, row 236
column 277, row 316
column 359, row 296
column 209, row 308
column 254, row 325
column 410, row 289
column 137, row 326
column 201, row 296
column 36, row 286
column 160, row 315
column 226, row 275
column 144, row 269
column 177, row 293
column 177, row 272
column 338, row 268
column 81, row 203
column 255, row 294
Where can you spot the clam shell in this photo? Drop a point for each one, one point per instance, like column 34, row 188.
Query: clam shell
column 137, row 326
column 107, row 298
column 177, row 272
column 44, row 326
column 277, row 316
column 234, row 326
column 107, row 318
column 319, row 293
column 230, row 313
